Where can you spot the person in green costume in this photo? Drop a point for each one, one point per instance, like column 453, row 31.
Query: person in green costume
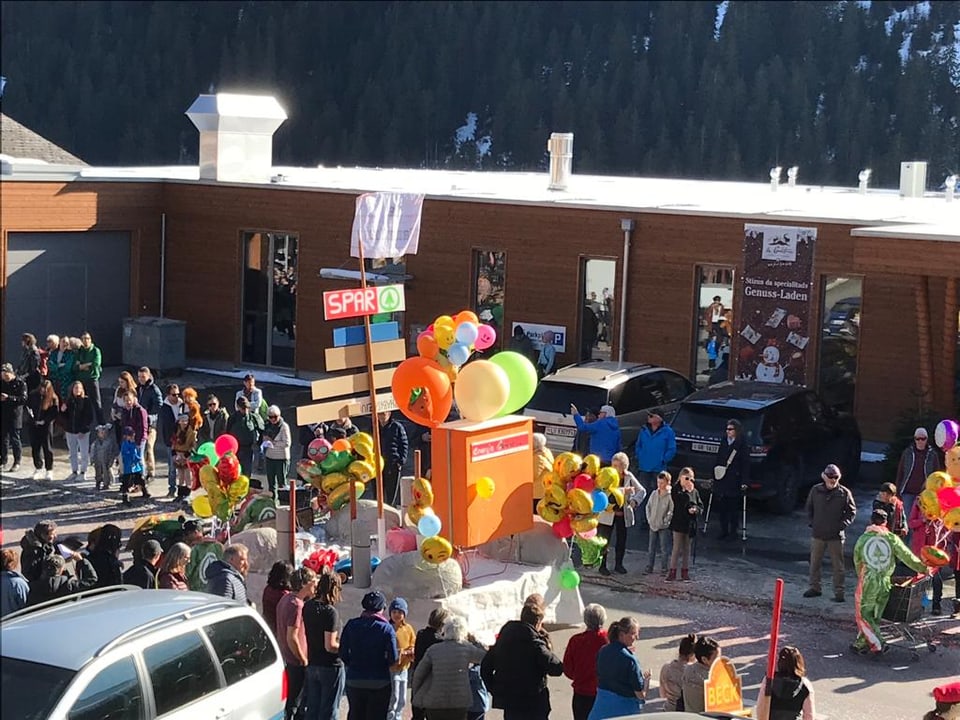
column 875, row 557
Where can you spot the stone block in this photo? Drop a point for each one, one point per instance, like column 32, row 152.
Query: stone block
column 409, row 576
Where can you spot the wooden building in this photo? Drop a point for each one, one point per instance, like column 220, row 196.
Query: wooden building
column 241, row 263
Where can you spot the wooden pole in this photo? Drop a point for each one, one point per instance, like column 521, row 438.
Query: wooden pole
column 375, row 430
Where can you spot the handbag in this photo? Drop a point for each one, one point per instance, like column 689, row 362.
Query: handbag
column 720, row 470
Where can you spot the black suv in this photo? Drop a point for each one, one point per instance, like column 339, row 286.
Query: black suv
column 791, row 434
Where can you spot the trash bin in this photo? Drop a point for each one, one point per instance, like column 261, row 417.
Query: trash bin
column 155, row 342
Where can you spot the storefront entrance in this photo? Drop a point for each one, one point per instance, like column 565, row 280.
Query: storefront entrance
column 712, row 324
column 598, row 309
column 269, row 298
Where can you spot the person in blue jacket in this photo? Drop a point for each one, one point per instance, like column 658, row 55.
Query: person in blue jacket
column 655, row 448
column 368, row 648
column 604, row 432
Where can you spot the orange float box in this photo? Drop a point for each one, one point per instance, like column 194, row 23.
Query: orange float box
column 501, row 449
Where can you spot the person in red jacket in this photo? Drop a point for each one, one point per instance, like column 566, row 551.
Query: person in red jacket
column 580, row 660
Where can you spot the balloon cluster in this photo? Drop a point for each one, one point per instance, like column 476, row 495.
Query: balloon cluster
column 331, row 467
column 434, row 549
column 321, row 558
column 425, row 387
column 221, row 486
column 575, row 493
column 940, row 499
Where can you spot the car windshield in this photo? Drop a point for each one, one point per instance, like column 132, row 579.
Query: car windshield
column 30, row 690
column 556, row 397
column 707, row 421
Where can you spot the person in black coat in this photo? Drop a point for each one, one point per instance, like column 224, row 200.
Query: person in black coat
column 515, row 669
column 143, row 572
column 105, row 557
column 393, row 447
column 55, row 581
column 734, row 457
column 13, row 396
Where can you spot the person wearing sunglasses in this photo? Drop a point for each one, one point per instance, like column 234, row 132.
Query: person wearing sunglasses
column 731, row 474
column 215, row 419
column 276, row 448
column 830, row 509
column 917, row 461
column 170, row 410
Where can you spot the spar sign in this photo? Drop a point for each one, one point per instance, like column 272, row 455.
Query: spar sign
column 357, row 302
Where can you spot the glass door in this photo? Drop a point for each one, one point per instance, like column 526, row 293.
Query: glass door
column 712, row 324
column 269, row 298
column 598, row 308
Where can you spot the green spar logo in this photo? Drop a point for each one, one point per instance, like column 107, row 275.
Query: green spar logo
column 389, row 299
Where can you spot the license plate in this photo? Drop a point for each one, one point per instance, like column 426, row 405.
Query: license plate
column 704, row 447
column 560, row 431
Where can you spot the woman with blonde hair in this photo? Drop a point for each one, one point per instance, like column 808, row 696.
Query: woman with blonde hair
column 78, row 418
column 43, row 408
column 173, row 568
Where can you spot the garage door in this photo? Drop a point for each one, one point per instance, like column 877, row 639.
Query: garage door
column 65, row 283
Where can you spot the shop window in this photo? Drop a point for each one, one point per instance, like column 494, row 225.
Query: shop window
column 489, row 289
column 841, row 298
column 713, row 324
column 269, row 298
column 598, row 313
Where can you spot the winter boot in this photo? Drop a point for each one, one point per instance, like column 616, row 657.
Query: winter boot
column 671, row 575
column 143, row 491
column 685, row 575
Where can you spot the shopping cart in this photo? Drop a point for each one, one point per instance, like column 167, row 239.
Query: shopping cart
column 905, row 623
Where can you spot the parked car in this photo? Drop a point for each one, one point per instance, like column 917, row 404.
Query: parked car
column 843, row 318
column 631, row 388
column 791, row 433
column 133, row 654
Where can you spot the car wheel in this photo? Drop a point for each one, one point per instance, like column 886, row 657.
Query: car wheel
column 788, row 491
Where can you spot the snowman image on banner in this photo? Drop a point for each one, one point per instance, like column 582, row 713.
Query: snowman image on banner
column 769, row 369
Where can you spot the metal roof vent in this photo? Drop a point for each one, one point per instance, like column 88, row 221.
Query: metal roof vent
column 913, row 179
column 560, row 147
column 236, row 135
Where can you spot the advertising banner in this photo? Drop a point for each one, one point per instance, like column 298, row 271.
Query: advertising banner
column 774, row 324
column 386, row 224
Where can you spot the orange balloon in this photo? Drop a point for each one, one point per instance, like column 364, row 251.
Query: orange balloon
column 422, row 391
column 427, row 346
column 465, row 316
column 341, row 445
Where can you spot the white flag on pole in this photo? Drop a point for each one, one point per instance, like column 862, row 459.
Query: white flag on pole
column 388, row 225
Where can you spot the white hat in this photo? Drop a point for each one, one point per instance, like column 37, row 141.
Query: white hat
column 920, row 432
column 609, row 410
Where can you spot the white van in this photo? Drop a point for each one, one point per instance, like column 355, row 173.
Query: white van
column 123, row 653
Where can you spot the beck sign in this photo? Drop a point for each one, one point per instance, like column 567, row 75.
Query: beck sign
column 357, row 302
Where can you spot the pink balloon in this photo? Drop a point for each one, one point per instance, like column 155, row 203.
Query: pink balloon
column 949, row 498
column 583, row 482
column 589, row 534
column 486, row 337
column 226, row 444
column 561, row 528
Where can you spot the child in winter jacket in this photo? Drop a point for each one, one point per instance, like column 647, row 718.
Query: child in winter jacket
column 659, row 512
column 184, row 440
column 131, row 457
column 103, row 454
column 406, row 641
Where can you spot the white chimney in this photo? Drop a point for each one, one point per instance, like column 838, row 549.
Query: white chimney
column 560, row 147
column 236, row 135
column 913, row 178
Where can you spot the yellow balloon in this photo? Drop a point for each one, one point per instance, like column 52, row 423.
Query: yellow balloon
column 422, row 492
column 567, row 464
column 550, row 512
column 332, row 481
column 208, row 476
column 436, row 549
column 416, row 513
column 951, row 520
column 444, row 320
column 238, row 489
column 593, row 465
column 201, row 506
column 556, row 495
column 486, row 487
column 362, row 470
column 579, row 501
column 938, row 480
column 616, row 496
column 481, row 390
column 445, row 336
column 341, row 496
column 548, row 479
column 953, row 462
column 584, row 523
column 607, row 478
column 929, row 504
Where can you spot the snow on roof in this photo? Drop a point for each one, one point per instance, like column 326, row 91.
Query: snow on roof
column 755, row 200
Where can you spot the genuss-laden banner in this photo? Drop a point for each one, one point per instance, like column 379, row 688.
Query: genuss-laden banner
column 774, row 324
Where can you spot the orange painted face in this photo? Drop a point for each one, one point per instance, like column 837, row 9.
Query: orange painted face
column 422, row 405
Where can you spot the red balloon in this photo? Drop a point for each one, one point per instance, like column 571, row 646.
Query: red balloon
column 226, row 444
column 561, row 528
column 949, row 498
column 583, row 482
column 228, row 469
column 422, row 391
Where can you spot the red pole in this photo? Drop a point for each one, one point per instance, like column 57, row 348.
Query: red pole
column 774, row 631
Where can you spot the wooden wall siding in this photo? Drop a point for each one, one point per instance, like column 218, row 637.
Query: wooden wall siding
column 890, row 255
column 86, row 206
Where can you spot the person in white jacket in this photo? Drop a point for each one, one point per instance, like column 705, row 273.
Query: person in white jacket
column 620, row 518
column 659, row 511
column 276, row 448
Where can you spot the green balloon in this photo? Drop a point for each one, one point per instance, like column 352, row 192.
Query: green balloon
column 569, row 579
column 523, row 379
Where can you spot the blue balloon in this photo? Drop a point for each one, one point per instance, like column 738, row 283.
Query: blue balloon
column 458, row 354
column 600, row 501
column 467, row 333
column 429, row 525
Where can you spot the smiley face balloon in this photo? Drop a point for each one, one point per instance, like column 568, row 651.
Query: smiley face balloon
column 436, row 549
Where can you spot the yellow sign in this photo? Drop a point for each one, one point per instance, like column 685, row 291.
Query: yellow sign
column 723, row 689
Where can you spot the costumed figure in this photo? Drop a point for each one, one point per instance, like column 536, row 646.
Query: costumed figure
column 875, row 556
column 947, row 698
column 193, row 408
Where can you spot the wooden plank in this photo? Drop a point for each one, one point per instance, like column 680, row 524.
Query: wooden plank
column 349, row 384
column 355, row 356
column 346, row 407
